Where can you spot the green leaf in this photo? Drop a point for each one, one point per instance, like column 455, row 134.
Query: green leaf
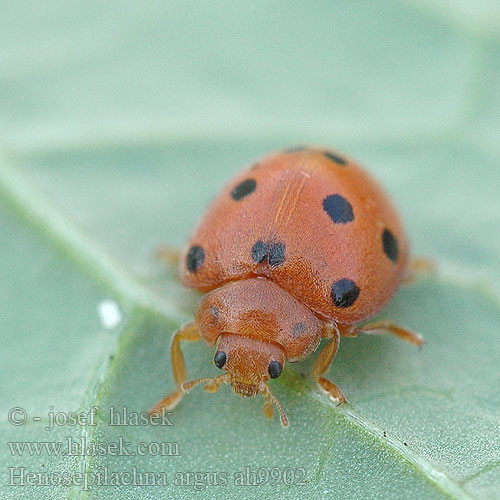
column 123, row 120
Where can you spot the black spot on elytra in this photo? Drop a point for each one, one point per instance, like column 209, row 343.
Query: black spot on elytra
column 273, row 252
column 338, row 208
column 195, row 258
column 298, row 329
column 344, row 292
column 259, row 252
column 390, row 245
column 335, row 158
column 243, row 189
column 276, row 254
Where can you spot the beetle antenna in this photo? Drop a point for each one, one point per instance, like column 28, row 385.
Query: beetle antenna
column 269, row 395
column 187, row 386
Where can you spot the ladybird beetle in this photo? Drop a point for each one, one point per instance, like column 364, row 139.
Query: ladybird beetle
column 303, row 245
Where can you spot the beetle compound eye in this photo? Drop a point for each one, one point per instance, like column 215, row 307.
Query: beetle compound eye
column 274, row 369
column 220, row 359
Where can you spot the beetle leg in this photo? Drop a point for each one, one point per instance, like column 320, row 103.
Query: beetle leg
column 169, row 255
column 323, row 362
column 417, row 267
column 188, row 333
column 381, row 327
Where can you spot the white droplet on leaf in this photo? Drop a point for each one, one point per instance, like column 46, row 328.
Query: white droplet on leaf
column 109, row 314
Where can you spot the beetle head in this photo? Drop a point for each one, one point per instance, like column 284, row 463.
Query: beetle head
column 249, row 363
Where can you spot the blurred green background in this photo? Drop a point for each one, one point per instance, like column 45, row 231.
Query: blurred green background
column 119, row 122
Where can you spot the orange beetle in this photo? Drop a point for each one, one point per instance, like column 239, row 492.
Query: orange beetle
column 302, row 246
